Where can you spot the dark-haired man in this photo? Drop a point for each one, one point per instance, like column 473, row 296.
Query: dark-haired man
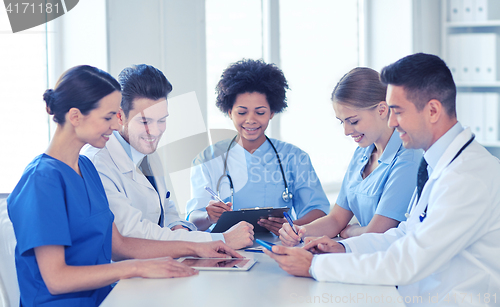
column 132, row 173
column 447, row 250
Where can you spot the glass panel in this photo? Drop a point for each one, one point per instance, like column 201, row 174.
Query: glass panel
column 233, row 32
column 23, row 120
column 319, row 44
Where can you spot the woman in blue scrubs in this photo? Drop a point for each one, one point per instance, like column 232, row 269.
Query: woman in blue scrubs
column 65, row 233
column 382, row 174
column 252, row 170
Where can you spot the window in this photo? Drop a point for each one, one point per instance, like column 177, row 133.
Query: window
column 233, row 32
column 318, row 45
column 23, row 120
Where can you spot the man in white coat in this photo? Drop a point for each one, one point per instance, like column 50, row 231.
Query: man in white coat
column 447, row 250
column 131, row 170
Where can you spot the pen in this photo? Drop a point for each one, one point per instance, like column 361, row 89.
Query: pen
column 209, row 190
column 289, row 219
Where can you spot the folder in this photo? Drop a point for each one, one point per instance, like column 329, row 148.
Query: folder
column 453, row 56
column 492, row 117
column 455, row 10
column 486, row 10
column 467, row 52
column 468, row 10
column 489, row 56
column 475, row 60
column 476, row 108
column 470, row 111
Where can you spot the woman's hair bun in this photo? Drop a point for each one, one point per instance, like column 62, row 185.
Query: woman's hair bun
column 48, row 96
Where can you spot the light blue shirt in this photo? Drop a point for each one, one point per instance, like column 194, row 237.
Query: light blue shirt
column 434, row 153
column 388, row 189
column 257, row 178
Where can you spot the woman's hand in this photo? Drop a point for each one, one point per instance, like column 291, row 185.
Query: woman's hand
column 216, row 208
column 288, row 236
column 349, row 231
column 273, row 224
column 163, row 268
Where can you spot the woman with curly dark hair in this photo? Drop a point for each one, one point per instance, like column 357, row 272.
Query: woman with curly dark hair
column 252, row 170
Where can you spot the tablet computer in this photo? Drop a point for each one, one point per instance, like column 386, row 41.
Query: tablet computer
column 250, row 215
column 218, row 264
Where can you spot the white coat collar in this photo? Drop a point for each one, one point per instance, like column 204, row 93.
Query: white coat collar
column 120, row 156
column 451, row 151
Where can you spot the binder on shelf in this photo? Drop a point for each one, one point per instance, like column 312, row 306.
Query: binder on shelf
column 488, row 48
column 468, row 10
column 486, row 10
column 470, row 112
column 467, row 52
column 492, row 117
column 455, row 10
column 453, row 56
column 476, row 61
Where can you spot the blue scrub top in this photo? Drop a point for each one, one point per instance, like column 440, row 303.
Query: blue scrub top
column 53, row 205
column 257, row 178
column 388, row 189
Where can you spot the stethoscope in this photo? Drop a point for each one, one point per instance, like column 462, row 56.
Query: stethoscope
column 286, row 195
column 424, row 214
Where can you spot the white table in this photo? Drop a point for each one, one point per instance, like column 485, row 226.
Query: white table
column 265, row 284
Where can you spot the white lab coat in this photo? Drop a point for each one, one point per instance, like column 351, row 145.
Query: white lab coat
column 453, row 252
column 132, row 198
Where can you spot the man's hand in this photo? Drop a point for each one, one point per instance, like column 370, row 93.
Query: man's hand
column 216, row 208
column 293, row 260
column 179, row 227
column 215, row 249
column 273, row 224
column 322, row 245
column 240, row 235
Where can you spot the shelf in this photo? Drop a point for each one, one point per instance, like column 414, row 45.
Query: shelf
column 490, row 144
column 473, row 24
column 491, row 84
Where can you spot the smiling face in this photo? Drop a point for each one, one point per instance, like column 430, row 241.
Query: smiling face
column 411, row 124
column 250, row 115
column 96, row 127
column 145, row 124
column 365, row 126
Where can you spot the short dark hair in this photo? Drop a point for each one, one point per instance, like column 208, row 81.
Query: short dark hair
column 424, row 77
column 249, row 76
column 360, row 88
column 79, row 87
column 142, row 81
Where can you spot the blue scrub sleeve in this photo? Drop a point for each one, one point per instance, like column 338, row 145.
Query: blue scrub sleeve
column 342, row 200
column 398, row 189
column 309, row 193
column 40, row 216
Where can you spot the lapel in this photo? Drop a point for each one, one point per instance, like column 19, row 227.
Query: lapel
column 124, row 164
column 442, row 164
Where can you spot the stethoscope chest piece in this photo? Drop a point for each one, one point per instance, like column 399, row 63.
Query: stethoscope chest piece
column 287, row 196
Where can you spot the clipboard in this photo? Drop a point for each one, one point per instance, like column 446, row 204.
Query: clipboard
column 251, row 215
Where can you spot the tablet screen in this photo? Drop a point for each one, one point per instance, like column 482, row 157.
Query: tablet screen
column 219, row 263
